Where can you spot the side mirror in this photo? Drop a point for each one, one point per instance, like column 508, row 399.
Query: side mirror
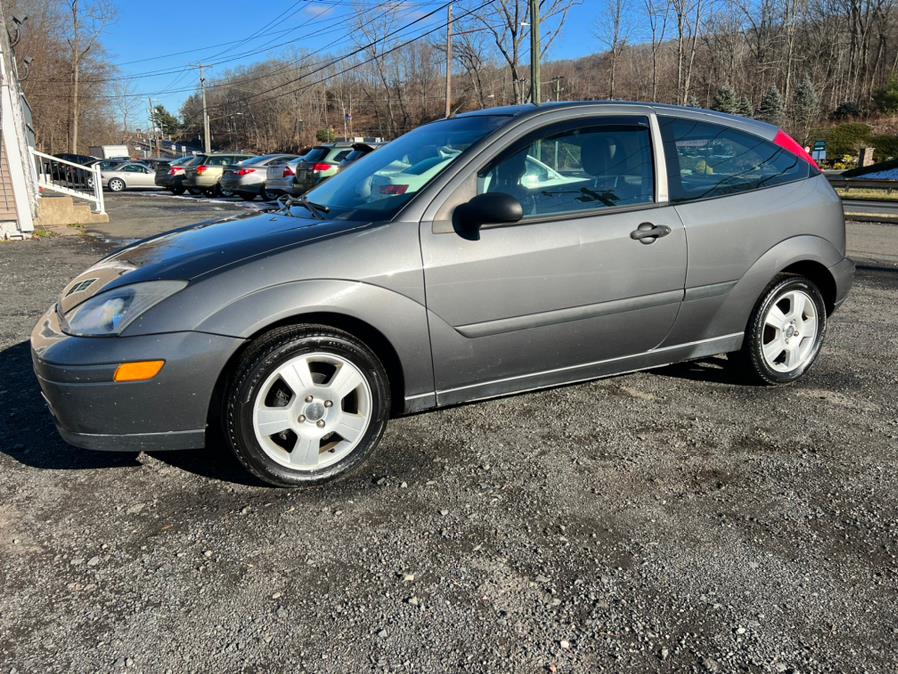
column 488, row 208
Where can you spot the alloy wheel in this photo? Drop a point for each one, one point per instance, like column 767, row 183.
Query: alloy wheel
column 790, row 332
column 312, row 411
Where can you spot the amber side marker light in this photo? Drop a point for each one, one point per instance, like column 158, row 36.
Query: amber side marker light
column 139, row 371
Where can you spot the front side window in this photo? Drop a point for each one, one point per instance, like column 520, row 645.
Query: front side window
column 604, row 163
column 711, row 160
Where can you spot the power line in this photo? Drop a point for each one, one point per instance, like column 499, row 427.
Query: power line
column 352, row 67
column 289, row 65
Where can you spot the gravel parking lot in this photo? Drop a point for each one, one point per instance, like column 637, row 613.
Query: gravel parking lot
column 670, row 520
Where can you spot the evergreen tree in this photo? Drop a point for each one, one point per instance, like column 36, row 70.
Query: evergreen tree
column 166, row 122
column 745, row 107
column 886, row 99
column 772, row 108
column 725, row 100
column 805, row 108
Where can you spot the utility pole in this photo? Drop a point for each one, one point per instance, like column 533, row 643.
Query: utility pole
column 207, row 139
column 557, row 80
column 449, row 63
column 153, row 142
column 534, row 52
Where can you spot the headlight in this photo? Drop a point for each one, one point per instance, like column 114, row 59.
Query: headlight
column 112, row 311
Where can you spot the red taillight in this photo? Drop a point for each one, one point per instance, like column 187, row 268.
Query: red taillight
column 393, row 189
column 789, row 144
column 318, row 168
column 245, row 171
column 175, row 170
column 201, row 169
column 287, row 172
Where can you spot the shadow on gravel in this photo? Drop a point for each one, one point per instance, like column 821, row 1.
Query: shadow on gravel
column 27, row 433
column 215, row 463
column 712, row 369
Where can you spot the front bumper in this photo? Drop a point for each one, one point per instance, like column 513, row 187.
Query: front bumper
column 93, row 411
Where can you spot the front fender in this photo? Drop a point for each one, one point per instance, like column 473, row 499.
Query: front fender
column 724, row 308
column 401, row 320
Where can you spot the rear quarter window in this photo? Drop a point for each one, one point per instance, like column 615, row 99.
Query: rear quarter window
column 707, row 160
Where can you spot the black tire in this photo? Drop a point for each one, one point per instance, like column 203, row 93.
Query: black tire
column 116, row 185
column 246, row 196
column 256, row 364
column 751, row 359
column 195, row 191
column 177, row 191
column 264, row 195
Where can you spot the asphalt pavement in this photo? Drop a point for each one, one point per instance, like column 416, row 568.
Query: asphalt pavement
column 666, row 521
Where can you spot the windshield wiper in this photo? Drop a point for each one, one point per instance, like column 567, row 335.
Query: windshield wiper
column 287, row 202
column 319, row 210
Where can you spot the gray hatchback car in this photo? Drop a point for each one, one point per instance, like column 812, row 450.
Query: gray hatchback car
column 538, row 246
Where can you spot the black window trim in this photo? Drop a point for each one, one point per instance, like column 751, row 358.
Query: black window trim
column 675, row 170
column 634, row 121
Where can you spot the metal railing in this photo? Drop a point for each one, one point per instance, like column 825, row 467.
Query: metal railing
column 863, row 183
column 66, row 177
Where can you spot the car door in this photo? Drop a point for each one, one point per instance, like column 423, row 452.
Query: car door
column 577, row 282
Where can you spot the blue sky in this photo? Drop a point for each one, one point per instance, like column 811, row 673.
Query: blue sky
column 145, row 31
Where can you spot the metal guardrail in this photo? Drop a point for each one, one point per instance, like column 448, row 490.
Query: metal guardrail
column 863, row 183
column 68, row 178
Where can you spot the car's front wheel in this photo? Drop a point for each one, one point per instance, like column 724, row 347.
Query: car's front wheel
column 246, row 196
column 306, row 404
column 116, row 185
column 785, row 331
column 177, row 191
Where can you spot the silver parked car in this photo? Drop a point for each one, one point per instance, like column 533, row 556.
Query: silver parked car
column 129, row 175
column 554, row 244
column 247, row 178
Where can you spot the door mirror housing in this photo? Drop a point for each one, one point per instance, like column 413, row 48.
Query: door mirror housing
column 487, row 208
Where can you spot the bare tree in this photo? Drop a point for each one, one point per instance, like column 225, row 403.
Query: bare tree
column 613, row 30
column 657, row 12
column 87, row 23
column 511, row 28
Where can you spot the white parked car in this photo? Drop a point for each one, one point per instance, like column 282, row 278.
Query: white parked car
column 130, row 175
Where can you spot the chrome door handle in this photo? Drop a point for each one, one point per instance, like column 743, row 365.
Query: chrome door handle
column 647, row 232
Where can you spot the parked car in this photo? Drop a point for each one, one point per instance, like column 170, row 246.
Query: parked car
column 172, row 176
column 247, row 178
column 71, row 176
column 359, row 150
column 279, row 178
column 300, row 332
column 156, row 162
column 205, row 178
column 107, row 164
column 319, row 163
column 129, row 175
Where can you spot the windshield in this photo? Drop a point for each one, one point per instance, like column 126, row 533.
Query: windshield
column 379, row 184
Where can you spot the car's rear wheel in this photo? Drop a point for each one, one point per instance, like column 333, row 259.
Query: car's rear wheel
column 265, row 195
column 116, row 185
column 785, row 331
column 195, row 191
column 306, row 404
column 177, row 190
column 246, row 196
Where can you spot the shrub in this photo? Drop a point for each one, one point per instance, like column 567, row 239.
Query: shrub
column 845, row 138
column 886, row 147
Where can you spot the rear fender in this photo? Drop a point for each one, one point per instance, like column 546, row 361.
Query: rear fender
column 724, row 308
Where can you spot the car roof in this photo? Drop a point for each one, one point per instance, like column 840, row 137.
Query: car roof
column 529, row 109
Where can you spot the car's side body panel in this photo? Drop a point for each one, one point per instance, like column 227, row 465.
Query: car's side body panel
column 739, row 243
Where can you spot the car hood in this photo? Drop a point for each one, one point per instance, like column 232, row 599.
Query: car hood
column 201, row 249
